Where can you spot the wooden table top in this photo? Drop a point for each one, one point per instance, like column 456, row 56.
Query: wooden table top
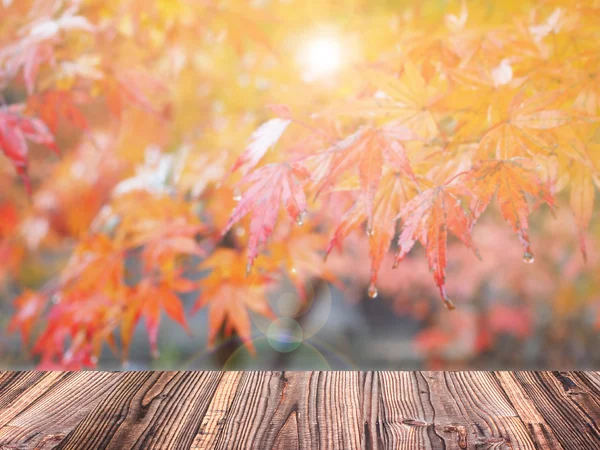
column 304, row 410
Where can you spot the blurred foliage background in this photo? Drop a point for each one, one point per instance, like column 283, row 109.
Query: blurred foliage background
column 151, row 103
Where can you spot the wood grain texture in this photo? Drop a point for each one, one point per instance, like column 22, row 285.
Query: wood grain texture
column 300, row 410
column 38, row 408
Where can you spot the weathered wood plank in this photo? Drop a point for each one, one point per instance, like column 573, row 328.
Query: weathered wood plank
column 370, row 394
column 147, row 410
column 51, row 407
column 456, row 410
column 592, row 380
column 214, row 420
column 406, row 415
column 576, row 390
column 4, row 376
column 492, row 418
column 550, row 394
column 300, row 410
column 17, row 383
column 539, row 430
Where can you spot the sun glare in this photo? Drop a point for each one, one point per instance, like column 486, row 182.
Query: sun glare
column 321, row 57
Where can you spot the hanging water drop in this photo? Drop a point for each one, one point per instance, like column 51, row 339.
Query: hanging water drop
column 237, row 195
column 528, row 258
column 449, row 304
column 300, row 218
column 397, row 259
column 373, row 293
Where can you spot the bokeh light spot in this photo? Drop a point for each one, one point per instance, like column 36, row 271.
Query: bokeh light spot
column 285, row 334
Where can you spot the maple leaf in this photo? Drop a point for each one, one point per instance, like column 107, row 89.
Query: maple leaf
column 229, row 294
column 429, row 218
column 11, row 254
column 147, row 299
column 164, row 234
column 15, row 131
column 389, row 199
column 510, row 181
column 587, row 87
column 263, row 138
column 270, row 185
column 33, row 60
column 177, row 239
column 81, row 322
column 243, row 26
column 10, row 218
column 300, row 253
column 282, row 111
column 51, row 106
column 29, row 306
column 522, row 129
column 409, row 99
column 96, row 261
column 130, row 87
column 582, row 199
column 145, row 216
column 36, row 43
column 367, row 150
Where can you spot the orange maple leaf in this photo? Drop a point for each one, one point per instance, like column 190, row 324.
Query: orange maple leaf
column 428, row 218
column 522, row 129
column 510, row 181
column 300, row 254
column 583, row 194
column 229, row 295
column 147, row 299
column 29, row 306
column 270, row 185
column 390, row 197
column 368, row 151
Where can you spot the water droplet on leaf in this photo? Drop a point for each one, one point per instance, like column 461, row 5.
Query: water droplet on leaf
column 373, row 293
column 529, row 258
column 300, row 218
column 397, row 259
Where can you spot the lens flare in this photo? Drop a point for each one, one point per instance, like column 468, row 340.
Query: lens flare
column 321, row 57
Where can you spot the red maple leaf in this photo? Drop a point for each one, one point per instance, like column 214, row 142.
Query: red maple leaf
column 15, row 130
column 429, row 218
column 270, row 185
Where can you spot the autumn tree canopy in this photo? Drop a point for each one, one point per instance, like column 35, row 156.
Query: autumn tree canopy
column 145, row 143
